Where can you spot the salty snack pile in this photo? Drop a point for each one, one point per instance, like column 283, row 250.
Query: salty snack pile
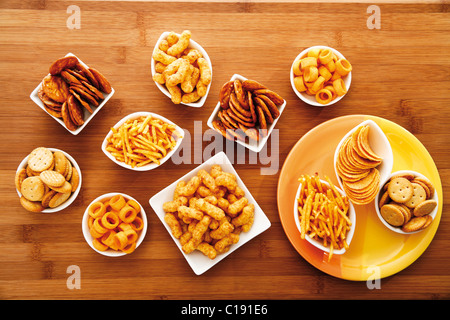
column 320, row 73
column 248, row 108
column 357, row 167
column 115, row 224
column 323, row 213
column 70, row 88
column 407, row 202
column 209, row 212
column 141, row 141
column 47, row 181
column 183, row 70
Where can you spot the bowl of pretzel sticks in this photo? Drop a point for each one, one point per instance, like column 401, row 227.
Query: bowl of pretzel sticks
column 247, row 112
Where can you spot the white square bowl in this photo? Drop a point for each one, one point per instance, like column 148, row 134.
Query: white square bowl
column 255, row 146
column 197, row 260
column 194, row 45
column 87, row 115
column 311, row 100
column 149, row 166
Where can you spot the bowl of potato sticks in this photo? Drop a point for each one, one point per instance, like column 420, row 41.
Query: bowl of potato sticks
column 114, row 224
column 324, row 215
column 321, row 76
column 142, row 141
column 181, row 69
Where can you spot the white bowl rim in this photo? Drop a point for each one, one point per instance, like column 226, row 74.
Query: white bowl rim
column 88, row 237
column 74, row 194
column 195, row 45
column 150, row 166
column 387, row 161
column 318, row 244
column 377, row 201
column 35, row 99
column 253, row 145
column 302, row 96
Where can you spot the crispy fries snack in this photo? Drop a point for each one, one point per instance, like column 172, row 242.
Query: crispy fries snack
column 323, row 213
column 142, row 141
column 201, row 217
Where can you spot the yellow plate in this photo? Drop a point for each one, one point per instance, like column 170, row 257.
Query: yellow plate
column 375, row 251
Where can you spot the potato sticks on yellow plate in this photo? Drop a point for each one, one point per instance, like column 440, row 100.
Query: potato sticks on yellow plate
column 323, row 213
column 141, row 141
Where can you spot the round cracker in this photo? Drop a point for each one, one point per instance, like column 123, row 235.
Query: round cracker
column 419, row 195
column 58, row 199
column 392, row 215
column 32, row 188
column 414, row 224
column 33, row 206
column 400, row 190
column 52, row 178
column 424, row 208
column 40, row 159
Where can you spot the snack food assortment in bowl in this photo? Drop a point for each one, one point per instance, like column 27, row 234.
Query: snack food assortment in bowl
column 142, row 141
column 72, row 93
column 114, row 224
column 362, row 160
column 181, row 69
column 407, row 202
column 321, row 76
column 324, row 215
column 247, row 112
column 47, row 180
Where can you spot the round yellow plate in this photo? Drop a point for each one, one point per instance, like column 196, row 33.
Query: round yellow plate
column 375, row 251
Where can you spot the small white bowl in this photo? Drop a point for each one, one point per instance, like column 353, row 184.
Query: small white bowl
column 150, row 166
column 194, row 45
column 319, row 244
column 87, row 115
column 379, row 144
column 255, row 146
column 197, row 260
column 311, row 100
column 88, row 237
column 74, row 194
column 380, row 193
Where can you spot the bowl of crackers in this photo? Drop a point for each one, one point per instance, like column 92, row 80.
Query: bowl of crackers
column 72, row 92
column 142, row 141
column 407, row 202
column 114, row 224
column 324, row 215
column 181, row 69
column 320, row 76
column 363, row 159
column 47, row 180
column 247, row 112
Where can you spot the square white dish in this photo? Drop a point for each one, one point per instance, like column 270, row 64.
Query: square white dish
column 197, row 260
column 87, row 115
column 194, row 45
column 255, row 146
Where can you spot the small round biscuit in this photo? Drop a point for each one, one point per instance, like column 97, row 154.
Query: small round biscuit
column 47, row 197
column 32, row 188
column 52, row 178
column 40, row 159
column 20, row 176
column 75, row 179
column 419, row 195
column 32, row 206
column 414, row 224
column 384, row 199
column 393, row 215
column 400, row 190
column 58, row 199
column 65, row 188
column 424, row 208
column 60, row 162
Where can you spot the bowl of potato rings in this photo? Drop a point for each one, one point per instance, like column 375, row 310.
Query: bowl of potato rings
column 181, row 69
column 407, row 202
column 324, row 216
column 114, row 224
column 142, row 141
column 320, row 76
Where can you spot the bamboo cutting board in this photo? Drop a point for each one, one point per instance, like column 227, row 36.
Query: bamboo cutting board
column 401, row 73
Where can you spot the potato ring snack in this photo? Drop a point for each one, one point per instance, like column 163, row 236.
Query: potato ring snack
column 127, row 214
column 117, row 202
column 110, row 220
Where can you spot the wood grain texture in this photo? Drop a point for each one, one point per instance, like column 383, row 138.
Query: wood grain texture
column 401, row 73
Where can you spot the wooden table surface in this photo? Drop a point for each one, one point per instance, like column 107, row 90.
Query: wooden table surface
column 401, row 73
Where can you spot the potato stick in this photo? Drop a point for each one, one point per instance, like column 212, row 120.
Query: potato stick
column 144, row 123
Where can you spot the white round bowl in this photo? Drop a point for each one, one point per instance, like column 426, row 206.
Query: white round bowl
column 194, row 45
column 379, row 144
column 88, row 237
column 311, row 100
column 380, row 193
column 319, row 244
column 149, row 166
column 74, row 194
